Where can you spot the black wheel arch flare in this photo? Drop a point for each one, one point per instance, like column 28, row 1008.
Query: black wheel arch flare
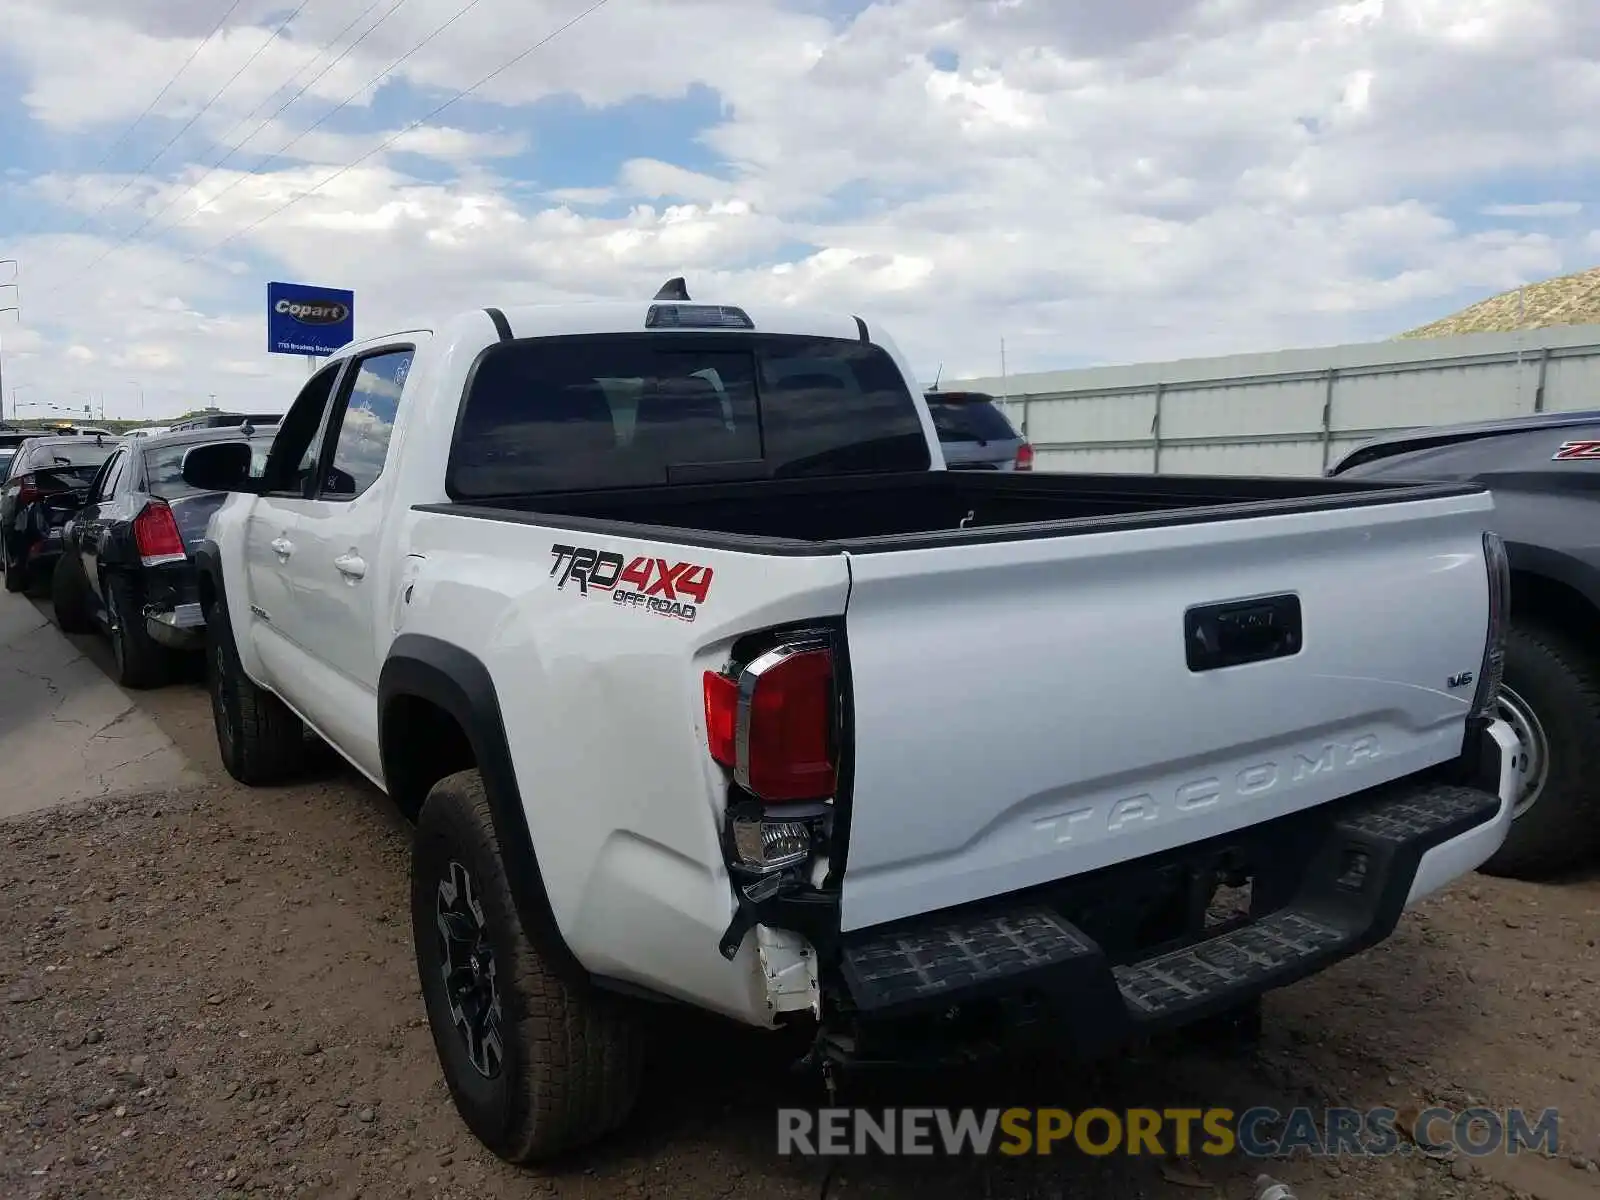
column 456, row 681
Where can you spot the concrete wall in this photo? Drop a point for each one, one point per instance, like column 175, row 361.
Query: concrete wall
column 1291, row 411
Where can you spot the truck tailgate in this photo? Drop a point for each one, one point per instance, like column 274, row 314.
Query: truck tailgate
column 1025, row 710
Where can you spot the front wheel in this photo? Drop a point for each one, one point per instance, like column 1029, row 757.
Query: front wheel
column 536, row 1064
column 259, row 738
column 1551, row 698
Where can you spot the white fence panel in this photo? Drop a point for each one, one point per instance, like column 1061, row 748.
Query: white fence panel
column 1292, row 411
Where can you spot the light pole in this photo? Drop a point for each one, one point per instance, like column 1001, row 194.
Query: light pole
column 16, row 269
column 140, row 386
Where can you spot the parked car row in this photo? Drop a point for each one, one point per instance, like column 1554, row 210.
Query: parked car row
column 110, row 525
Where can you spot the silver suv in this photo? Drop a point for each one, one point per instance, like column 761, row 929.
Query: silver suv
column 975, row 435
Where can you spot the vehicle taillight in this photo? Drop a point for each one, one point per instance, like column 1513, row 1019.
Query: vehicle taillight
column 1024, row 457
column 28, row 493
column 773, row 725
column 155, row 532
column 1493, row 667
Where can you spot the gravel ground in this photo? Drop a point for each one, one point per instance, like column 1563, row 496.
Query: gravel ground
column 211, row 993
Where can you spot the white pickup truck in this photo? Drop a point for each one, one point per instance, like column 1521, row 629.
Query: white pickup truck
column 705, row 681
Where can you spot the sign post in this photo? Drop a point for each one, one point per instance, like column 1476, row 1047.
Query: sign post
column 303, row 318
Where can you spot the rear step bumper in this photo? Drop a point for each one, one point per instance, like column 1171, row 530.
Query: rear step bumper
column 1356, row 869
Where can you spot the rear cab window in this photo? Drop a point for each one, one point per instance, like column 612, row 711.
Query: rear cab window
column 642, row 410
column 969, row 417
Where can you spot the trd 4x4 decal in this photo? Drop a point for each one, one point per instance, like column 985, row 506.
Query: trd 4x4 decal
column 670, row 590
column 1572, row 450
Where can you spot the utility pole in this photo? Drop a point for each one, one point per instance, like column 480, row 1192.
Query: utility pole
column 16, row 269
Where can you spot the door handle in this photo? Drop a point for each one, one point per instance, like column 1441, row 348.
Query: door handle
column 282, row 547
column 352, row 566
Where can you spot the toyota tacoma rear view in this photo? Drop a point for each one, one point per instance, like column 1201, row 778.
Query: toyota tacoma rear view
column 706, row 682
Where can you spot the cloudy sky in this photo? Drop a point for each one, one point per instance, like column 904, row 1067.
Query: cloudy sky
column 1093, row 181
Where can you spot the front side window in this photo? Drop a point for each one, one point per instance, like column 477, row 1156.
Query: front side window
column 297, row 447
column 362, row 445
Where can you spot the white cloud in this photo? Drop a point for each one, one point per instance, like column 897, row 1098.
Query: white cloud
column 1090, row 181
column 1546, row 208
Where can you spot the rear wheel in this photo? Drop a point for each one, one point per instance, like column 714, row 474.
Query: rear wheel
column 536, row 1064
column 142, row 662
column 259, row 738
column 1551, row 697
column 69, row 594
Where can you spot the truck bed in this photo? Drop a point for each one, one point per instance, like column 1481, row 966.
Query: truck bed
column 869, row 513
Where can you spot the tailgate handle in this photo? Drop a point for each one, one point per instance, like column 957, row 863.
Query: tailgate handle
column 1241, row 631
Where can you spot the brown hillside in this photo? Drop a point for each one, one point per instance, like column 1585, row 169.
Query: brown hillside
column 1567, row 300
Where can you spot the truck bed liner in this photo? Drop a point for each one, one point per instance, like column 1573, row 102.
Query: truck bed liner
column 906, row 511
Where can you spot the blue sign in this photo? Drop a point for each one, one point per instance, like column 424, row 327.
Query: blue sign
column 302, row 319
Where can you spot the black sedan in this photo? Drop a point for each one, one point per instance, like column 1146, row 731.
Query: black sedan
column 48, row 480
column 126, row 566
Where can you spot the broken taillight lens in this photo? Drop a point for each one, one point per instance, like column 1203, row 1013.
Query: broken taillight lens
column 773, row 724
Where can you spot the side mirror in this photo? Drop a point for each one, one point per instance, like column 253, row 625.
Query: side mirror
column 219, row 467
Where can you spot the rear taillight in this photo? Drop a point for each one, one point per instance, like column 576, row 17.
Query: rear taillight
column 1024, row 457
column 773, row 724
column 28, row 493
column 1494, row 651
column 155, row 532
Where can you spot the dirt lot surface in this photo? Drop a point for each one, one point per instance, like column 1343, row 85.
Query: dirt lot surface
column 210, row 992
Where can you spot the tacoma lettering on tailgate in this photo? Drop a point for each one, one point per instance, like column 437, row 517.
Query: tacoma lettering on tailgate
column 650, row 584
column 1116, row 816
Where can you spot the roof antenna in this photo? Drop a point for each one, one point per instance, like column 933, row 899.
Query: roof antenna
column 673, row 289
column 936, row 375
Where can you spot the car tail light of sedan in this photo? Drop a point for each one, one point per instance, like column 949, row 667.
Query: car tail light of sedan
column 155, row 532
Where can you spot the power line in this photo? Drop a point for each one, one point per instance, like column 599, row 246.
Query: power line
column 392, row 139
column 348, row 100
column 149, row 108
column 239, row 124
column 194, row 188
column 200, row 112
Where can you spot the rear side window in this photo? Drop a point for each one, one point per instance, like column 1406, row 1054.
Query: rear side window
column 640, row 410
column 362, row 444
column 974, row 419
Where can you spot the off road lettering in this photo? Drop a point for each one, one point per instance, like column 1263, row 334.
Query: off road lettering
column 646, row 583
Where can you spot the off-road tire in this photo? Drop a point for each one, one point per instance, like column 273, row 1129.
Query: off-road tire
column 260, row 739
column 142, row 662
column 571, row 1055
column 1559, row 679
column 69, row 595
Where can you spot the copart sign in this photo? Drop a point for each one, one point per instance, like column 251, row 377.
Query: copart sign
column 303, row 318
